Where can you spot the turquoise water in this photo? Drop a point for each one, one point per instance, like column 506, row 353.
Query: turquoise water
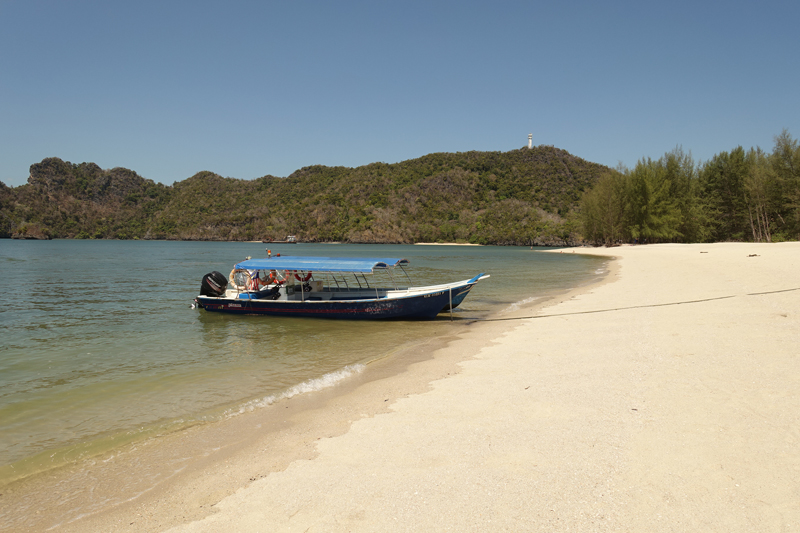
column 99, row 344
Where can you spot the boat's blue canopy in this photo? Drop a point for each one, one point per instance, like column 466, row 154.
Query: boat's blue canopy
column 321, row 264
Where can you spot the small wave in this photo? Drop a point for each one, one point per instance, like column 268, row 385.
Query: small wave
column 516, row 305
column 316, row 384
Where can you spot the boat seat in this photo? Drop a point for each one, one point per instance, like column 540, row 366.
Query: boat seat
column 257, row 295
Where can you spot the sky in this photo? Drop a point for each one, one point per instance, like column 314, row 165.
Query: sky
column 253, row 88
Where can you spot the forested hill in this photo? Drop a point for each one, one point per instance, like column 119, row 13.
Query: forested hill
column 525, row 196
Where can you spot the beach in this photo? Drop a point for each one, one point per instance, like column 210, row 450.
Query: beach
column 664, row 398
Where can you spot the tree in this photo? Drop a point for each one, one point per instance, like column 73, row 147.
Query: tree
column 723, row 180
column 653, row 212
column 682, row 172
column 759, row 185
column 603, row 210
column 785, row 159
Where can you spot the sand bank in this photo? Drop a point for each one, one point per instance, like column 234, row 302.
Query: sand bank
column 667, row 399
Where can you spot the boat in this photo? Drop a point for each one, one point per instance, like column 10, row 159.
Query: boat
column 290, row 239
column 328, row 287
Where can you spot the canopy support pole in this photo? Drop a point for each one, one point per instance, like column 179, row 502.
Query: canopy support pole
column 450, row 290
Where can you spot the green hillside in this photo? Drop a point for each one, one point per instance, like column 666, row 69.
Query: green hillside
column 524, row 197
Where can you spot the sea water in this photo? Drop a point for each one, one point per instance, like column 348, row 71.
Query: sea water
column 99, row 344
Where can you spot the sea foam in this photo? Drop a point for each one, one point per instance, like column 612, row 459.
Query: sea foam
column 328, row 380
column 516, row 305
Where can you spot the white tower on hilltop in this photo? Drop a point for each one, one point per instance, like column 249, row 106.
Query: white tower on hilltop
column 530, row 141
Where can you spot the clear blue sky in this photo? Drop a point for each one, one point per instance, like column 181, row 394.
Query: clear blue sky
column 250, row 88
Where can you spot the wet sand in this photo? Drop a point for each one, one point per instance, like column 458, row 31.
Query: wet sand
column 665, row 399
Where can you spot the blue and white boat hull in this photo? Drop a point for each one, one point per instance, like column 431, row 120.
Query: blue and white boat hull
column 423, row 303
column 290, row 286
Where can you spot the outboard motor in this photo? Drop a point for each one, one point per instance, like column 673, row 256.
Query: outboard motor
column 214, row 284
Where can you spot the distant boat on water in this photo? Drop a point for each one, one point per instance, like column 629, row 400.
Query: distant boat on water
column 290, row 239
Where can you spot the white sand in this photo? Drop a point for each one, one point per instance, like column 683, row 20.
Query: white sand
column 674, row 407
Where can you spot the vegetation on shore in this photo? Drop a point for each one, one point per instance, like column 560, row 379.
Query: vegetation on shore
column 538, row 196
column 523, row 197
column 736, row 196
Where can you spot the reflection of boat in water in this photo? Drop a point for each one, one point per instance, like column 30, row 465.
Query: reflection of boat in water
column 290, row 239
column 327, row 287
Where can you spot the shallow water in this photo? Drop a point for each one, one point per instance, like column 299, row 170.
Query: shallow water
column 99, row 345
